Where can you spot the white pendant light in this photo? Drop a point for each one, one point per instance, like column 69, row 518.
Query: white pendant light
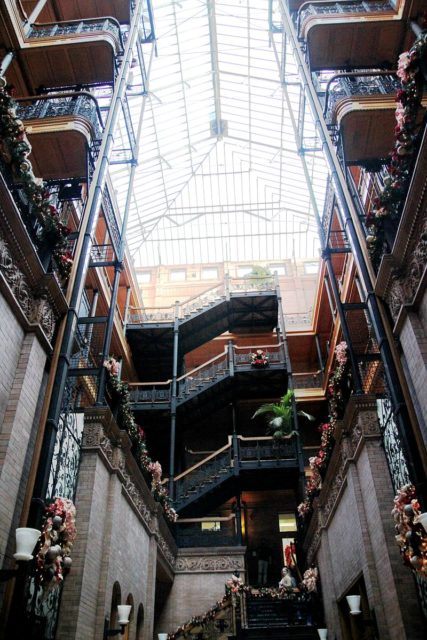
column 422, row 519
column 26, row 539
column 124, row 613
column 162, row 636
column 354, row 604
column 323, row 634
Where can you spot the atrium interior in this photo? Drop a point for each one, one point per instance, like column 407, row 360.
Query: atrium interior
column 213, row 223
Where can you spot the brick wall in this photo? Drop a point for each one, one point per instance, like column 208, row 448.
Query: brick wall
column 357, row 535
column 413, row 339
column 21, row 382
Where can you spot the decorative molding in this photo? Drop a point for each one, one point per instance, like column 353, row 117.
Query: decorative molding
column 36, row 307
column 166, row 550
column 212, row 561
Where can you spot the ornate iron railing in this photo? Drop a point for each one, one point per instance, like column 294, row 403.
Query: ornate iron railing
column 75, row 27
column 309, row 380
column 150, row 393
column 202, row 376
column 392, row 445
column 204, row 300
column 191, row 534
column 357, row 84
column 81, row 104
column 301, row 320
column 273, row 352
column 333, row 8
column 265, row 449
column 207, row 472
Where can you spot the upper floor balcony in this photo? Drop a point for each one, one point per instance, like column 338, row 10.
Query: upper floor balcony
column 82, row 9
column 60, row 54
column 61, row 127
column 355, row 33
column 361, row 101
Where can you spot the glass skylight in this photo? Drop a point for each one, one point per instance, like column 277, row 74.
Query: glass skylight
column 220, row 176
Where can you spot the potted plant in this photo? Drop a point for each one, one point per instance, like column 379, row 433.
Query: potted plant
column 280, row 416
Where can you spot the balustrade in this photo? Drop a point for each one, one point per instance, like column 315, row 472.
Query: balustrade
column 349, row 7
column 357, row 84
column 75, row 27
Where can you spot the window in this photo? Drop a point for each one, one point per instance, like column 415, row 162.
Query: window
column 287, row 522
column 244, row 271
column 177, row 275
column 143, row 277
column 211, row 525
column 210, row 273
column 311, row 267
column 280, row 269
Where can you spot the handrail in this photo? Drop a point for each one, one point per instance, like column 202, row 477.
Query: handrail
column 203, row 366
column 202, row 462
column 232, row 516
column 353, row 74
column 65, row 94
column 247, row 438
column 260, row 346
column 65, row 22
column 148, row 384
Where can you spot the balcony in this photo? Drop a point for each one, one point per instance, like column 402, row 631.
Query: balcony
column 358, row 102
column 61, row 127
column 68, row 54
column 351, row 34
column 83, row 9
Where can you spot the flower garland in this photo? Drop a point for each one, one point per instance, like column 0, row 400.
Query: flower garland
column 388, row 204
column 339, row 380
column 14, row 151
column 259, row 358
column 310, row 578
column 411, row 535
column 53, row 559
column 234, row 586
column 150, row 469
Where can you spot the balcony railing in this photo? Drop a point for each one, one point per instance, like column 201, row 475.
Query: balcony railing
column 189, row 532
column 333, row 8
column 55, row 105
column 360, row 84
column 77, row 27
column 203, row 300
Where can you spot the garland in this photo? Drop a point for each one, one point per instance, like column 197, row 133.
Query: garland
column 14, row 151
column 411, row 536
column 53, row 559
column 388, row 205
column 235, row 586
column 259, row 359
column 151, row 470
column 338, row 382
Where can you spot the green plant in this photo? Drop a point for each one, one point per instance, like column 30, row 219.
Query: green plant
column 281, row 416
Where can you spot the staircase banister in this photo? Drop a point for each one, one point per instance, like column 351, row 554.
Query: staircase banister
column 208, row 519
column 202, row 366
column 258, row 346
column 202, row 462
column 202, row 293
column 149, row 384
column 247, row 438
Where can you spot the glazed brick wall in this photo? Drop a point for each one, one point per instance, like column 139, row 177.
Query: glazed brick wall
column 111, row 545
column 21, row 380
column 413, row 339
column 359, row 540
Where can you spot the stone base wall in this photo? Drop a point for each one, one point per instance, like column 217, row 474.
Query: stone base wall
column 351, row 535
column 200, row 576
column 121, row 538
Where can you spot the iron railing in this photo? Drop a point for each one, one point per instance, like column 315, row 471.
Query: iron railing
column 189, row 533
column 77, row 27
column 360, row 84
column 334, row 8
column 201, row 301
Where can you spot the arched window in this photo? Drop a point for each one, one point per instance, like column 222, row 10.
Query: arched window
column 139, row 622
column 116, row 598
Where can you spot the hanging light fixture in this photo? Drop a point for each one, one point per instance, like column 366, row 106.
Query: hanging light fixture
column 354, row 604
column 26, row 539
column 323, row 634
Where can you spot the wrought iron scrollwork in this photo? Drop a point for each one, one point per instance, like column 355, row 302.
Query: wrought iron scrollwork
column 392, row 444
column 66, row 456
